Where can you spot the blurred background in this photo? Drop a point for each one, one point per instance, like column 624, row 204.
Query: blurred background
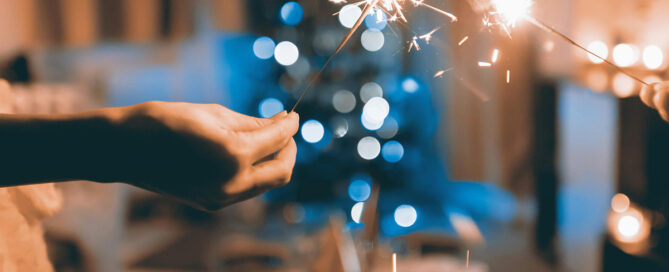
column 544, row 161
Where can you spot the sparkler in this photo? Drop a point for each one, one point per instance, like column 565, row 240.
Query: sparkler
column 467, row 262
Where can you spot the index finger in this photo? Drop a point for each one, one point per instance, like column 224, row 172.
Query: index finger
column 268, row 139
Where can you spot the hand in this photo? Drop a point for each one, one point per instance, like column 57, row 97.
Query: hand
column 203, row 154
column 656, row 96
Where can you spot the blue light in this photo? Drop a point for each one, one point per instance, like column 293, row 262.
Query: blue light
column 270, row 107
column 410, row 85
column 291, row 13
column 359, row 190
column 263, row 47
column 312, row 131
column 392, row 151
column 376, row 20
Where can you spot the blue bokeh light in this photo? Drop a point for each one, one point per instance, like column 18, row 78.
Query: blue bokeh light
column 359, row 190
column 270, row 107
column 263, row 47
column 376, row 20
column 392, row 151
column 410, row 85
column 291, row 13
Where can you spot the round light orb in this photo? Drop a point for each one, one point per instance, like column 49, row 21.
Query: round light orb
column 629, row 226
column 597, row 79
column 291, row 13
column 370, row 90
column 369, row 148
column 356, row 211
column 371, row 125
column 343, row 101
column 623, row 85
column 359, row 190
column 339, row 127
column 376, row 110
column 389, row 129
column 405, row 215
column 349, row 14
column 620, row 203
column 392, row 151
column 410, row 85
column 300, row 69
column 312, row 131
column 263, row 48
column 270, row 107
column 286, row 53
column 625, row 55
column 600, row 49
column 376, row 20
column 653, row 58
column 372, row 40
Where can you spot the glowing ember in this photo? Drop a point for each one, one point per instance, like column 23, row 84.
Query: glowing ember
column 508, row 76
column 441, row 73
column 484, row 64
column 495, row 55
column 463, row 40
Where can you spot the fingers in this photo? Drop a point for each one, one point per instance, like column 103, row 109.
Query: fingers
column 268, row 139
column 276, row 172
column 647, row 94
column 661, row 102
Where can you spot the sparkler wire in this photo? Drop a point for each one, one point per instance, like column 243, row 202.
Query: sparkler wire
column 343, row 42
column 564, row 37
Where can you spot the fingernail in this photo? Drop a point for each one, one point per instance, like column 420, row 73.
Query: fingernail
column 294, row 115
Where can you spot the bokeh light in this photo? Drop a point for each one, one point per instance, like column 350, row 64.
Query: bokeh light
column 286, row 53
column 620, row 203
column 312, row 131
column 356, row 211
column 376, row 110
column 623, row 85
column 343, row 101
column 369, row 148
column 359, row 189
column 291, row 13
column 300, row 69
column 376, row 20
column 370, row 90
column 389, row 128
column 653, row 57
column 600, row 49
column 349, row 14
column 597, row 79
column 263, row 48
column 410, row 85
column 339, row 126
column 392, row 151
column 270, row 107
column 629, row 226
column 372, row 40
column 370, row 125
column 625, row 55
column 405, row 215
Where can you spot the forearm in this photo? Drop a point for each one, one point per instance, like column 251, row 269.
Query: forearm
column 46, row 148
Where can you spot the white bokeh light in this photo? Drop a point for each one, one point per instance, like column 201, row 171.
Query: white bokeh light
column 623, row 85
column 372, row 40
column 356, row 211
column 369, row 148
column 410, row 85
column 312, row 131
column 339, row 126
column 343, row 101
column 286, row 53
column 652, row 57
column 629, row 226
column 625, row 55
column 269, row 107
column 600, row 49
column 389, row 129
column 405, row 216
column 376, row 110
column 370, row 90
column 349, row 14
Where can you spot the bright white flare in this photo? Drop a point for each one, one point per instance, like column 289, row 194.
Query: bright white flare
column 511, row 11
column 600, row 49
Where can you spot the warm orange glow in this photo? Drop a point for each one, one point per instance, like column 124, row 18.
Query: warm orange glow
column 630, row 226
column 597, row 79
column 600, row 49
column 623, row 85
column 620, row 203
column 625, row 55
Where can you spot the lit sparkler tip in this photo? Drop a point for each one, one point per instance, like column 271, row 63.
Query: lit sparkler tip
column 463, row 40
column 484, row 64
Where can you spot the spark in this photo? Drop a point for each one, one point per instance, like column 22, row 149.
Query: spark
column 394, row 262
column 495, row 55
column 484, row 64
column 414, row 44
column 428, row 36
column 463, row 40
column 442, row 12
column 467, row 262
column 508, row 76
column 441, row 73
